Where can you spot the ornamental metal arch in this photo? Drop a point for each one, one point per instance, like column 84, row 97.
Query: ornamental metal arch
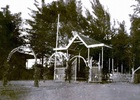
column 8, row 59
column 79, row 57
column 17, row 49
column 59, row 53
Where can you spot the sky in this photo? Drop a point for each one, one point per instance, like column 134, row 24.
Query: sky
column 119, row 9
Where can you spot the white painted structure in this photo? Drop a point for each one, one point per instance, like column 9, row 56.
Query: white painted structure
column 23, row 48
column 133, row 73
column 75, row 47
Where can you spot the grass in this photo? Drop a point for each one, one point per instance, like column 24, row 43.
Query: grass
column 12, row 92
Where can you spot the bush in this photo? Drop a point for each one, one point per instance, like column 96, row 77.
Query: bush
column 87, row 73
column 137, row 78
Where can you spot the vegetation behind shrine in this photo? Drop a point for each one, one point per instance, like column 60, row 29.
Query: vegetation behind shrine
column 43, row 26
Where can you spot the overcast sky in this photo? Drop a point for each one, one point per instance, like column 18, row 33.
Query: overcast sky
column 119, row 9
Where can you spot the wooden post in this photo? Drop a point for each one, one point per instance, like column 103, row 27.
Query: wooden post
column 79, row 62
column 102, row 57
column 99, row 66
column 89, row 65
column 109, row 65
column 57, row 31
column 76, row 70
column 56, row 46
column 122, row 68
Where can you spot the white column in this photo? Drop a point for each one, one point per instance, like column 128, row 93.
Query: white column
column 79, row 62
column 67, row 59
column 67, row 62
column 99, row 66
column 88, row 55
column 89, row 65
column 57, row 32
column 55, row 66
column 109, row 65
column 102, row 57
column 56, row 46
column 76, row 70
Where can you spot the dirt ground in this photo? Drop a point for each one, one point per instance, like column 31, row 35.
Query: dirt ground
column 51, row 90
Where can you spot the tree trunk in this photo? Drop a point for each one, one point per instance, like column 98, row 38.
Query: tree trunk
column 36, row 83
column 5, row 74
column 36, row 76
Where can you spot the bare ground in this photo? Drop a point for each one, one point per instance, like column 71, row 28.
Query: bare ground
column 51, row 90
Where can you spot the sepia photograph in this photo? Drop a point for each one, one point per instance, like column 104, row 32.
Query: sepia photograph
column 69, row 49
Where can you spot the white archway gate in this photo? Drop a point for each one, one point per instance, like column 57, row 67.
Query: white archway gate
column 59, row 71
column 59, row 67
column 74, row 66
column 78, row 56
column 7, row 66
column 17, row 49
column 60, row 54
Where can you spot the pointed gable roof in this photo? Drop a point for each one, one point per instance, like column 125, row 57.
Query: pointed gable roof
column 86, row 41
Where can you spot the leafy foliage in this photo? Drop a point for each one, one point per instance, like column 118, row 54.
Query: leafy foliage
column 42, row 34
column 98, row 22
column 135, row 34
column 10, row 31
column 5, row 74
column 96, row 25
column 121, row 47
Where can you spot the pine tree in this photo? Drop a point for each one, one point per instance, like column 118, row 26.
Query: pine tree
column 135, row 30
column 10, row 37
column 42, row 35
column 121, row 48
column 99, row 25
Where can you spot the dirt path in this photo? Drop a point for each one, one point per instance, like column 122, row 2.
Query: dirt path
column 50, row 90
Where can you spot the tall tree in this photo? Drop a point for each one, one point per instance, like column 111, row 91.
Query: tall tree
column 135, row 34
column 121, row 48
column 10, row 31
column 42, row 34
column 99, row 25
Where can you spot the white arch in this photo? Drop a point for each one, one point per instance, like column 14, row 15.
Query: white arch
column 61, row 53
column 80, row 57
column 133, row 73
column 18, row 48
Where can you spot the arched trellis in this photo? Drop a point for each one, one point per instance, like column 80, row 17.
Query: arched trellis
column 7, row 64
column 59, row 53
column 78, row 56
column 17, row 49
column 75, row 68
